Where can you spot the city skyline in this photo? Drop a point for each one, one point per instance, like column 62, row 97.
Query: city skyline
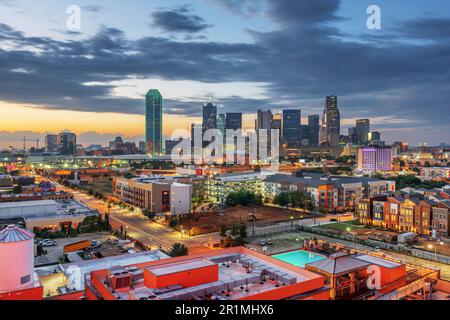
column 110, row 73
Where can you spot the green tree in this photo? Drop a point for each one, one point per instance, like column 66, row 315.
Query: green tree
column 282, row 199
column 17, row 190
column 128, row 175
column 223, row 230
column 178, row 250
column 150, row 215
column 173, row 223
column 243, row 198
column 298, row 199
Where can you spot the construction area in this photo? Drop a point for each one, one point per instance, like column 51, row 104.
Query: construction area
column 261, row 216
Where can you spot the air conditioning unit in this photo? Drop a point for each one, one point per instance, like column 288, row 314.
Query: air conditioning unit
column 119, row 278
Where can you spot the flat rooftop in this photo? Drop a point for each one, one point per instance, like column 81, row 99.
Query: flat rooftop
column 175, row 267
column 241, row 274
column 20, row 204
column 378, row 261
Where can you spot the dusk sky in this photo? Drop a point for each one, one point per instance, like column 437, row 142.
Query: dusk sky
column 243, row 55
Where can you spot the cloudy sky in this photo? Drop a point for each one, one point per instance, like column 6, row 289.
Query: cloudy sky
column 243, row 55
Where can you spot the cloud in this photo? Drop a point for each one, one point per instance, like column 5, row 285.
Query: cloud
column 180, row 19
column 300, row 63
column 92, row 8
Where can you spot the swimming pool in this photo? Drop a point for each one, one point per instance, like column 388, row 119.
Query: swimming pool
column 298, row 258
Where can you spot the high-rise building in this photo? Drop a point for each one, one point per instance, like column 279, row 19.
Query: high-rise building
column 209, row 117
column 374, row 159
column 353, row 137
column 375, row 136
column 209, row 120
column 277, row 121
column 67, row 143
column 114, row 145
column 331, row 123
column 142, row 146
column 51, row 143
column 221, row 123
column 362, row 131
column 313, row 129
column 291, row 127
column 153, row 121
column 263, row 120
column 233, row 121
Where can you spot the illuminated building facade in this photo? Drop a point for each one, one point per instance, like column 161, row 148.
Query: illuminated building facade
column 374, row 159
column 153, row 122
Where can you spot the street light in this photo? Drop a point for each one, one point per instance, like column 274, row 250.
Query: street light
column 430, row 246
column 353, row 235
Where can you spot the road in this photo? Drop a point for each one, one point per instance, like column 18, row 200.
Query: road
column 151, row 234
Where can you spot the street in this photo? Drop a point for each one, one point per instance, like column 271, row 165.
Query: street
column 150, row 234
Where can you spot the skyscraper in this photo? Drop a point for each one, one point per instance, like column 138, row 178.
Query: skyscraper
column 291, row 127
column 362, row 131
column 51, row 144
column 153, row 121
column 234, row 121
column 352, row 135
column 221, row 123
column 313, row 129
column 264, row 120
column 331, row 123
column 67, row 143
column 209, row 120
column 277, row 121
column 209, row 117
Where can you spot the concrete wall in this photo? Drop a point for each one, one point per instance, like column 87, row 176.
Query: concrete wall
column 180, row 198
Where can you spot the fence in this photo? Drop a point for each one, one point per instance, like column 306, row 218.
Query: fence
column 297, row 226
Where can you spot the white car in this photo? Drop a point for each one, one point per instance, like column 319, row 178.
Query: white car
column 47, row 243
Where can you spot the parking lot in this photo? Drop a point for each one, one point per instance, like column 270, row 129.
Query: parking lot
column 55, row 253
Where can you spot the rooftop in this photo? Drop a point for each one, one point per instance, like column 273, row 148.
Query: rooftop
column 378, row 261
column 242, row 273
column 337, row 266
column 319, row 179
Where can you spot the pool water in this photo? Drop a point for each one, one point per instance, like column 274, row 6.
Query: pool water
column 298, row 258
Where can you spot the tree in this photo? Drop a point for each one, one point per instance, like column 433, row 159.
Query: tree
column 282, row 199
column 178, row 250
column 128, row 175
column 173, row 223
column 150, row 215
column 298, row 199
column 243, row 198
column 17, row 190
column 243, row 230
column 223, row 230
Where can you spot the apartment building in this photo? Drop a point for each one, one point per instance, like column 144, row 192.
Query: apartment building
column 328, row 192
column 159, row 194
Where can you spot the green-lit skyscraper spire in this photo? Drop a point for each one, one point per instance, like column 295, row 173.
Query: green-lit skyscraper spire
column 153, row 121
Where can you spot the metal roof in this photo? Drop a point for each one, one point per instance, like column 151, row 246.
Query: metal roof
column 14, row 234
column 339, row 265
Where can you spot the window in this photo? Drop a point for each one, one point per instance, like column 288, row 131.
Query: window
column 25, row 279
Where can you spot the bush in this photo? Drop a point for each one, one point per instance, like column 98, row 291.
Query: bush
column 178, row 250
column 173, row 223
column 149, row 214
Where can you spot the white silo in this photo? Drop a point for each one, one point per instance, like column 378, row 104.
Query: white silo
column 16, row 259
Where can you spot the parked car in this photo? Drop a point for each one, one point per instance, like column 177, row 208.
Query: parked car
column 48, row 243
column 333, row 220
column 95, row 244
column 266, row 242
